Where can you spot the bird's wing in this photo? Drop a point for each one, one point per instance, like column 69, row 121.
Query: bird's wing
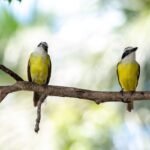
column 118, row 74
column 49, row 69
column 28, row 71
column 138, row 75
column 138, row 72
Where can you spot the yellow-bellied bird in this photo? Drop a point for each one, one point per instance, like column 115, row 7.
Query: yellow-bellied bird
column 128, row 71
column 39, row 68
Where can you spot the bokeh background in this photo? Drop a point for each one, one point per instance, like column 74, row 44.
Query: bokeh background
column 86, row 39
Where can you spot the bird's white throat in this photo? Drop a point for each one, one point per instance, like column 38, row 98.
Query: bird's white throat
column 40, row 51
column 129, row 58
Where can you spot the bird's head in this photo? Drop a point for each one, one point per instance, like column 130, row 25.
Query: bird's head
column 129, row 51
column 44, row 45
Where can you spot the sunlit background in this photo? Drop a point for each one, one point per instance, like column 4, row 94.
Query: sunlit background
column 86, row 39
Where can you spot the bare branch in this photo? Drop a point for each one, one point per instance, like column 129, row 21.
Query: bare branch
column 11, row 73
column 96, row 96
column 61, row 91
column 38, row 119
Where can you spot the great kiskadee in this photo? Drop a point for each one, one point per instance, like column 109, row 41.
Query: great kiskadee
column 39, row 68
column 128, row 71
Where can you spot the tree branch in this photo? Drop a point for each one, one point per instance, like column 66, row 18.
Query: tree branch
column 61, row 91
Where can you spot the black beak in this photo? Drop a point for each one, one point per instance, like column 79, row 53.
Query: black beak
column 133, row 49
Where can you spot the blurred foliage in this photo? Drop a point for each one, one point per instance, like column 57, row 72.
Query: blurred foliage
column 84, row 125
column 130, row 8
column 13, row 0
column 85, row 130
column 10, row 25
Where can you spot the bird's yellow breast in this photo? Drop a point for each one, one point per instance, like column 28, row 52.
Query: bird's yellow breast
column 128, row 74
column 39, row 68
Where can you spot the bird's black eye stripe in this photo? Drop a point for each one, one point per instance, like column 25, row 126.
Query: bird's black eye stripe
column 45, row 47
column 126, row 53
column 39, row 45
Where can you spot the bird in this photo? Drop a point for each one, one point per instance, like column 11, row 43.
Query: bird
column 128, row 72
column 39, row 68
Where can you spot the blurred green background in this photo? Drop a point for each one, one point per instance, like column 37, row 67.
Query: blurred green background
column 86, row 39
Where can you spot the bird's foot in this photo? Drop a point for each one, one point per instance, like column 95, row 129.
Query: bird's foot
column 132, row 92
column 122, row 94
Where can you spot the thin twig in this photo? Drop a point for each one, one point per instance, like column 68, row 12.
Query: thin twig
column 38, row 119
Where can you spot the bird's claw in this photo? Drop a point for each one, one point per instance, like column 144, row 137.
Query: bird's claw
column 122, row 93
column 124, row 100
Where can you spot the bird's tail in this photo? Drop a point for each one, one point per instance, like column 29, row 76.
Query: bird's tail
column 130, row 106
column 36, row 98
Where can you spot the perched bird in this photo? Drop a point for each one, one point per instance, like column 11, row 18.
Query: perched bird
column 39, row 68
column 128, row 71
